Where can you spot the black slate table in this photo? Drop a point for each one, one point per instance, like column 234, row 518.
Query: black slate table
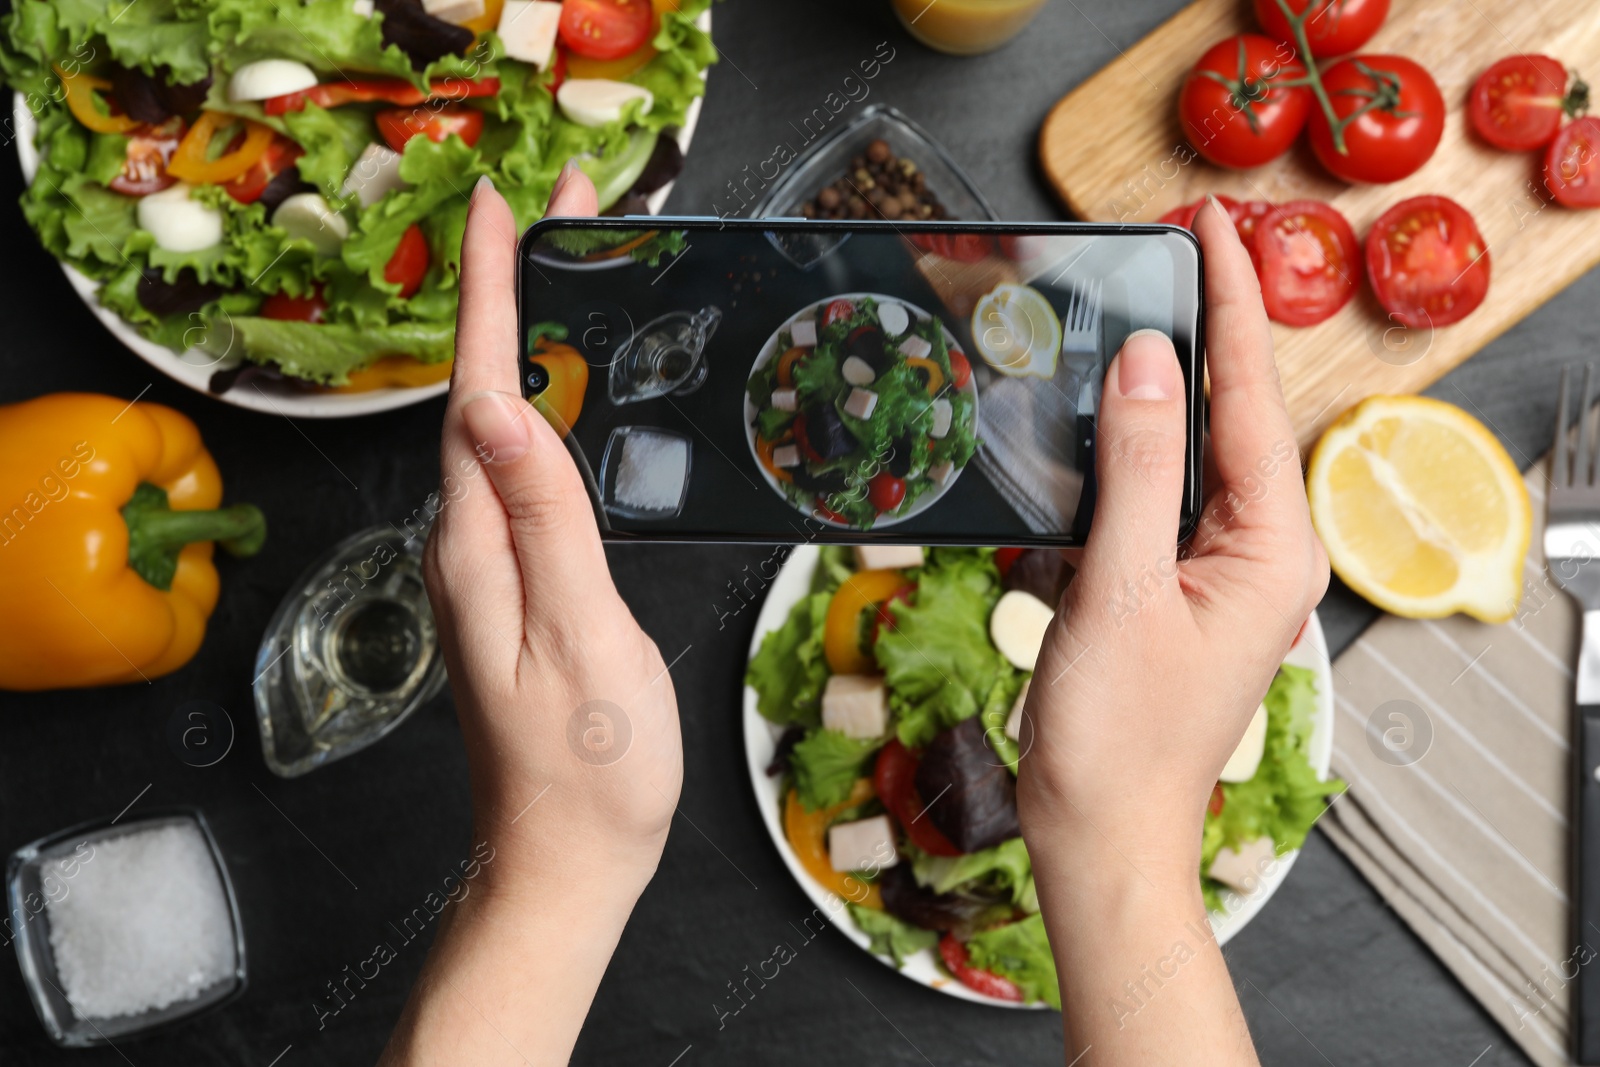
column 1326, row 973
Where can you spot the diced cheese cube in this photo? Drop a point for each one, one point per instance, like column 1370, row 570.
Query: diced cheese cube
column 804, row 333
column 1014, row 720
column 861, row 403
column 857, row 371
column 528, row 30
column 863, row 845
column 786, row 456
column 374, row 175
column 784, row 399
column 940, row 472
column 857, row 705
column 915, row 347
column 888, row 557
column 1243, row 868
column 941, row 417
column 364, row 8
column 457, row 11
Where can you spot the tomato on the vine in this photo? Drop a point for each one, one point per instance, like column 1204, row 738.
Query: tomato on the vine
column 1517, row 104
column 1392, row 116
column 1232, row 108
column 1428, row 263
column 1308, row 260
column 1334, row 28
column 1572, row 164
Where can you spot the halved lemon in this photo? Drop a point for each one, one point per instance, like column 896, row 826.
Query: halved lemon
column 1421, row 510
column 1017, row 331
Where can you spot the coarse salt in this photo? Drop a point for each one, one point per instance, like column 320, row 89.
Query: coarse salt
column 145, row 923
column 652, row 471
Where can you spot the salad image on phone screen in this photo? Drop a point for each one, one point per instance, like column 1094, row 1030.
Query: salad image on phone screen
column 862, row 410
column 291, row 178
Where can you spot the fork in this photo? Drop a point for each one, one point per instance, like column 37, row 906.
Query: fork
column 1571, row 546
column 1080, row 326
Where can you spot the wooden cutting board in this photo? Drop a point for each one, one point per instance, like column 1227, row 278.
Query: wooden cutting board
column 1114, row 151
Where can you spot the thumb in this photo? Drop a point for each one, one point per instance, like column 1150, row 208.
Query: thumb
column 1139, row 462
column 551, row 518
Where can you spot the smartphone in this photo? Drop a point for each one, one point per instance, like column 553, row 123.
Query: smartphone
column 777, row 380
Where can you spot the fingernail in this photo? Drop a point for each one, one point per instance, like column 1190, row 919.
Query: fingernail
column 499, row 428
column 1214, row 202
column 564, row 177
column 484, row 182
column 1147, row 367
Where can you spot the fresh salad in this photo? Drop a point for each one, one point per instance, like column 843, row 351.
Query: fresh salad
column 864, row 411
column 287, row 181
column 901, row 676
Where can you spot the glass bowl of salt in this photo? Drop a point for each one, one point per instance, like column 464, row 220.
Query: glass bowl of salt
column 123, row 929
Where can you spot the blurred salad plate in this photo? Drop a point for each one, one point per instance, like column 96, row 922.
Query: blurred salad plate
column 265, row 201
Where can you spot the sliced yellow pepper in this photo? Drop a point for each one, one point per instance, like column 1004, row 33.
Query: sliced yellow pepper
column 81, row 89
column 929, row 367
column 786, row 364
column 395, row 372
column 841, row 634
column 192, row 162
column 764, row 450
column 807, row 832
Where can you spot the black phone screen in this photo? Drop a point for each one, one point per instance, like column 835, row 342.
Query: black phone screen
column 784, row 381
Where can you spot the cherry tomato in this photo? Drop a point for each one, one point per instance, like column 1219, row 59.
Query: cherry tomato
column 1572, row 164
column 1005, row 557
column 398, row 125
column 1518, row 102
column 1218, row 799
column 955, row 956
column 606, row 29
column 1309, row 262
column 1335, row 28
column 836, row 311
column 885, row 491
column 279, row 157
column 960, row 369
column 1428, row 263
column 1394, row 138
column 1230, row 108
column 894, row 779
column 409, row 264
column 288, row 308
column 823, row 511
column 1247, row 215
column 149, row 149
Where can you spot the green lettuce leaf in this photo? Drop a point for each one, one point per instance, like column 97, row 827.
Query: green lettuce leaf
column 1004, row 870
column 825, row 764
column 892, row 936
column 328, row 352
column 1019, row 951
column 789, row 671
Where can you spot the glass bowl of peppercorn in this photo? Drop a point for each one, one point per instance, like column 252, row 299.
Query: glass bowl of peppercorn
column 879, row 166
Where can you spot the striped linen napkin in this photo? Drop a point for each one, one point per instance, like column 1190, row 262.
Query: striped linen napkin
column 1453, row 735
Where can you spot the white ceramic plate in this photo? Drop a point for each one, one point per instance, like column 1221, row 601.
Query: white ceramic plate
column 769, row 352
column 761, row 737
column 194, row 368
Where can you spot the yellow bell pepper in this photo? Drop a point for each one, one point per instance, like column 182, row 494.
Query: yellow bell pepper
column 841, row 633
column 192, row 160
column 807, row 832
column 931, row 369
column 395, row 372
column 764, row 450
column 80, row 89
column 106, row 527
column 560, row 377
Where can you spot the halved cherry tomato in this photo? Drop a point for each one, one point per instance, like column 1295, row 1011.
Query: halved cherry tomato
column 836, row 311
column 1005, row 557
column 279, row 157
column 1247, row 215
column 1232, row 108
column 1218, row 799
column 1310, row 263
column 1518, row 102
column 606, row 29
column 884, row 618
column 1428, row 263
column 409, row 264
column 380, row 90
column 960, row 369
column 885, row 491
column 1572, row 164
column 955, row 956
column 398, row 125
column 1395, row 137
column 149, row 148
column 1335, row 28
column 894, row 776
column 288, row 308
